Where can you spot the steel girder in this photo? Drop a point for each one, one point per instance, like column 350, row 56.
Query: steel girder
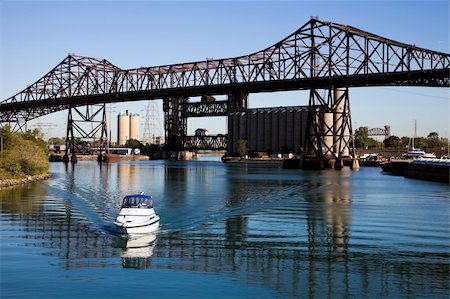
column 77, row 133
column 204, row 142
column 199, row 109
column 175, row 123
column 329, row 127
column 178, row 110
column 386, row 132
column 318, row 55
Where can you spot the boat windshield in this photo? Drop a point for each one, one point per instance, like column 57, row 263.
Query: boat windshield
column 137, row 201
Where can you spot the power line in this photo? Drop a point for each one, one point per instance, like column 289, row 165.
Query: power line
column 415, row 93
column 152, row 125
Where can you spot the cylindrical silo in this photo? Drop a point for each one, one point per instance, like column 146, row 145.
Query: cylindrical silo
column 341, row 122
column 252, row 138
column 268, row 130
column 260, row 133
column 275, row 129
column 297, row 130
column 290, row 129
column 282, row 130
column 134, row 126
column 123, row 128
column 327, row 132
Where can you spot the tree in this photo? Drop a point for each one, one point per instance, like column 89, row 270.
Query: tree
column 433, row 135
column 433, row 140
column 361, row 135
column 362, row 138
column 405, row 141
column 7, row 136
column 392, row 141
column 23, row 154
column 241, row 145
column 56, row 141
column 134, row 143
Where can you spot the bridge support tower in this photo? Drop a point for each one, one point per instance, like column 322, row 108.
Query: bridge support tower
column 175, row 123
column 328, row 138
column 237, row 102
column 77, row 133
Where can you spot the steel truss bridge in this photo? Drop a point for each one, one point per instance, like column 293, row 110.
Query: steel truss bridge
column 386, row 131
column 319, row 55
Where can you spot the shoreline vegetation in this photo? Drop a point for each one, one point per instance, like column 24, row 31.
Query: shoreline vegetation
column 23, row 157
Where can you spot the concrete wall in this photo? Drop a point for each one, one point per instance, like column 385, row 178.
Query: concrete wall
column 268, row 129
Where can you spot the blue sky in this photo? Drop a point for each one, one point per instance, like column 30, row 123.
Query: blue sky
column 36, row 35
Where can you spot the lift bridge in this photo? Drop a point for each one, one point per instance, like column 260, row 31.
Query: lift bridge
column 320, row 56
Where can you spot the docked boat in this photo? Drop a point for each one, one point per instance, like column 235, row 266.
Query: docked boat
column 137, row 215
column 395, row 166
column 418, row 154
column 437, row 170
column 370, row 160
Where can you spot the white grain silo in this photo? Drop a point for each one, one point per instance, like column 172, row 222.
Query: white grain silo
column 134, row 126
column 123, row 128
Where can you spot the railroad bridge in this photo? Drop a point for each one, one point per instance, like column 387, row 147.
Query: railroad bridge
column 323, row 57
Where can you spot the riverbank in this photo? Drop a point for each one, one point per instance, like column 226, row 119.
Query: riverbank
column 4, row 183
column 112, row 157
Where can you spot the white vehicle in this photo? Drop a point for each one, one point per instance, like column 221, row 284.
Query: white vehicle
column 137, row 215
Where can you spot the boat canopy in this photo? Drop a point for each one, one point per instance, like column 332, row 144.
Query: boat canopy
column 137, row 200
column 414, row 154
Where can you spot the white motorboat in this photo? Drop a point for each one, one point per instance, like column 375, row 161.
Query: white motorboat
column 137, row 215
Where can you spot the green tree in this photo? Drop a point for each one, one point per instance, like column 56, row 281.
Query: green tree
column 420, row 142
column 56, row 141
column 134, row 143
column 433, row 140
column 392, row 141
column 7, row 136
column 362, row 139
column 241, row 146
column 35, row 136
column 24, row 154
column 405, row 141
column 433, row 135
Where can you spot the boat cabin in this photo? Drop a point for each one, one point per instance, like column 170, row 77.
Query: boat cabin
column 137, row 201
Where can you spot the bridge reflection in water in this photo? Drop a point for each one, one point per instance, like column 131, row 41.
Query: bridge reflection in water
column 295, row 238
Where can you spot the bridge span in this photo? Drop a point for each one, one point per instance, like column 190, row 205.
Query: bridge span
column 319, row 55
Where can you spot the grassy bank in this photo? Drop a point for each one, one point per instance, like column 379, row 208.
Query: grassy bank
column 24, row 156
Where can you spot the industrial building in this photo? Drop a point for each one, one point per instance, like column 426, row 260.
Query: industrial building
column 275, row 130
column 127, row 127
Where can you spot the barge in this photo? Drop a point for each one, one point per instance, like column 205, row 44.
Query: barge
column 437, row 170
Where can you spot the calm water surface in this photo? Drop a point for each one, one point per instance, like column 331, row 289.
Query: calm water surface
column 226, row 231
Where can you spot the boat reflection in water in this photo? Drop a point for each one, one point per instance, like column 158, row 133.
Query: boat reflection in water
column 137, row 250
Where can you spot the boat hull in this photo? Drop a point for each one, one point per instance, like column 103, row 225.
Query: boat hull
column 430, row 170
column 395, row 167
column 143, row 228
column 137, row 220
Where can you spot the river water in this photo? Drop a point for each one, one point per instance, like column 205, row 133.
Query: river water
column 227, row 231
